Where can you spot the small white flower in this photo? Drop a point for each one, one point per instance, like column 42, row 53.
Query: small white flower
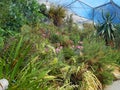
column 3, row 84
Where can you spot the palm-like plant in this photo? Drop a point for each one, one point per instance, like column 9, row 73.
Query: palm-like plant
column 57, row 14
column 107, row 29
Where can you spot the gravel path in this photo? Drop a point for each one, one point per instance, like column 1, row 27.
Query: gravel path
column 114, row 86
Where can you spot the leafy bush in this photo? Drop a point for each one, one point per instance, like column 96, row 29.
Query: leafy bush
column 12, row 58
column 1, row 38
column 69, row 22
column 99, row 57
column 4, row 35
column 55, row 38
column 75, row 37
column 18, row 13
column 117, row 36
column 68, row 53
column 106, row 77
column 28, row 58
column 47, row 57
column 43, row 9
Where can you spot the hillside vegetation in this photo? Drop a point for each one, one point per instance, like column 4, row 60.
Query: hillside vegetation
column 40, row 50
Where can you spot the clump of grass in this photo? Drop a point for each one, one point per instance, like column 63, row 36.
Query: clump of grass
column 90, row 82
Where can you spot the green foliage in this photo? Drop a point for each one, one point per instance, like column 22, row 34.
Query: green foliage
column 32, row 76
column 4, row 34
column 22, row 69
column 68, row 53
column 69, row 22
column 117, row 36
column 106, row 29
column 57, row 14
column 55, row 38
column 1, row 38
column 75, row 37
column 18, row 13
column 29, row 60
column 12, row 58
column 99, row 57
column 43, row 9
column 88, row 26
column 106, row 77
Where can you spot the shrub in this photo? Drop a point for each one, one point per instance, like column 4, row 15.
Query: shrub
column 75, row 37
column 107, row 29
column 57, row 14
column 69, row 22
column 99, row 57
column 55, row 38
column 18, row 13
column 117, row 36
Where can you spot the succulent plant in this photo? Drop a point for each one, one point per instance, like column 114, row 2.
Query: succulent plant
column 107, row 28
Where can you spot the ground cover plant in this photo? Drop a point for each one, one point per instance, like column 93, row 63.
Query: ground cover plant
column 54, row 56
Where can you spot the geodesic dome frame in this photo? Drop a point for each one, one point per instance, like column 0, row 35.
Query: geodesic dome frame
column 92, row 9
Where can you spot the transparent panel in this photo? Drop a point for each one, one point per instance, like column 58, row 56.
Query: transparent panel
column 91, row 9
column 95, row 3
column 117, row 2
column 109, row 8
column 81, row 9
column 62, row 2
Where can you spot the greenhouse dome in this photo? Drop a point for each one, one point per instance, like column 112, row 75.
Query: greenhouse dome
column 92, row 9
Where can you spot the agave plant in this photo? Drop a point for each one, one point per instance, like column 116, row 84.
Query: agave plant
column 107, row 29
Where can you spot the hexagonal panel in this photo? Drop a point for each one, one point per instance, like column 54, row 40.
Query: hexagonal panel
column 94, row 3
column 93, row 9
column 109, row 8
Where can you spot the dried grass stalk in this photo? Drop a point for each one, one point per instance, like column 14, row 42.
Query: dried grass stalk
column 90, row 82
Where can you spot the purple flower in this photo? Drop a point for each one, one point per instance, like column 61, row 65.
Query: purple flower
column 57, row 50
column 79, row 47
column 44, row 35
column 61, row 47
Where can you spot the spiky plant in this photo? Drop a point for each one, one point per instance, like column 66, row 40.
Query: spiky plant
column 57, row 14
column 107, row 29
